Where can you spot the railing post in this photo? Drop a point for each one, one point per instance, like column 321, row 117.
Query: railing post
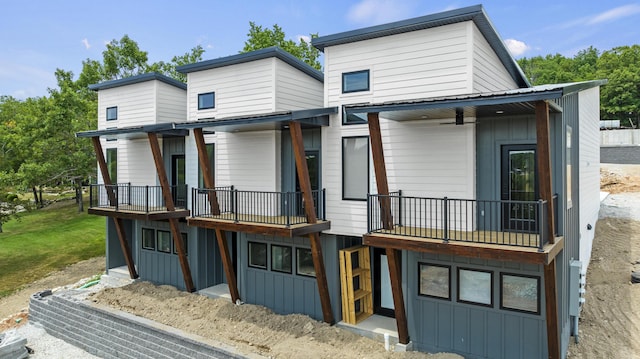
column 146, row 198
column 400, row 207
column 445, row 219
column 369, row 213
column 235, row 205
column 129, row 193
column 117, row 197
column 287, row 210
column 542, row 226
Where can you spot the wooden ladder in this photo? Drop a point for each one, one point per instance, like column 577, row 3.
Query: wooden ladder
column 355, row 278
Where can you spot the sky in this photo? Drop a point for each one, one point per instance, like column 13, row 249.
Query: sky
column 39, row 36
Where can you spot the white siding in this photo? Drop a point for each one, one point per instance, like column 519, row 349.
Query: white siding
column 171, row 103
column 136, row 105
column 296, row 90
column 248, row 160
column 422, row 159
column 488, row 72
column 419, row 64
column 589, row 162
column 242, row 89
column 135, row 162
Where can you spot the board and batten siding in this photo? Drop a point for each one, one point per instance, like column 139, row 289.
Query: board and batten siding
column 296, row 90
column 171, row 103
column 136, row 105
column 588, row 169
column 489, row 74
column 241, row 89
column 418, row 64
column 423, row 158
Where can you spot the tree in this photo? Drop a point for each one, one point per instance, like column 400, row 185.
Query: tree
column 169, row 69
column 260, row 38
column 620, row 98
column 123, row 58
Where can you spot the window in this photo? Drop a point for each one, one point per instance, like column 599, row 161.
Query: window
column 164, row 241
column 475, row 287
column 355, row 81
column 185, row 245
column 148, row 239
column 355, row 168
column 520, row 293
column 434, row 280
column 353, row 118
column 112, row 164
column 206, row 100
column 304, row 262
column 210, row 153
column 280, row 258
column 258, row 255
column 112, row 113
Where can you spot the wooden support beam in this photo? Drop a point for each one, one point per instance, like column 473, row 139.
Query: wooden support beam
column 544, row 164
column 221, row 237
column 551, row 305
column 380, row 169
column 122, row 236
column 168, row 199
column 395, row 274
column 310, row 211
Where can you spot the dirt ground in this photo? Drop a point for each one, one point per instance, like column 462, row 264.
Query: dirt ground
column 609, row 326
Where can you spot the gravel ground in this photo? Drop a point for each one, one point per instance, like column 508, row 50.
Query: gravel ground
column 46, row 346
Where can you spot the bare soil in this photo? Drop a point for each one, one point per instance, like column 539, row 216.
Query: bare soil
column 619, row 178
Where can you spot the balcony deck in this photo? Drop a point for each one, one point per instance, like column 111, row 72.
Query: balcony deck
column 265, row 225
column 136, row 202
column 133, row 212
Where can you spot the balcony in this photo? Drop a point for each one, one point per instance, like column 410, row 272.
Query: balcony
column 268, row 213
column 124, row 200
column 495, row 229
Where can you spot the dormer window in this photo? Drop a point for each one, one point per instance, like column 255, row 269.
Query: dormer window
column 112, row 113
column 206, row 100
column 355, row 81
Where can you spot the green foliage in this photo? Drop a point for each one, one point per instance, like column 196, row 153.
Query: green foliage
column 620, row 98
column 260, row 38
column 33, row 247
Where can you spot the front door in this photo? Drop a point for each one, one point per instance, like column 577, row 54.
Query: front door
column 178, row 181
column 519, row 183
column 313, row 165
column 382, row 294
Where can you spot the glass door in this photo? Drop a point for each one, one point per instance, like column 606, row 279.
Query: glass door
column 313, row 165
column 178, row 181
column 519, row 183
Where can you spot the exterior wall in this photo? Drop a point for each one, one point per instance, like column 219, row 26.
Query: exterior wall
column 296, row 90
column 135, row 162
column 625, row 137
column 589, row 170
column 418, row 64
column 171, row 103
column 136, row 105
column 114, row 255
column 242, row 89
column 488, row 72
column 441, row 325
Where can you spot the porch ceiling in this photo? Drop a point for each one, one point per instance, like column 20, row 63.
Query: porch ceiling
column 135, row 132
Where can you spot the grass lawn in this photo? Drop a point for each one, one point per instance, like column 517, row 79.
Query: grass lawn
column 46, row 240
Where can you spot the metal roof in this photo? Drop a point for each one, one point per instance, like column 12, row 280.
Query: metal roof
column 138, row 79
column 164, row 129
column 260, row 122
column 273, row 51
column 472, row 13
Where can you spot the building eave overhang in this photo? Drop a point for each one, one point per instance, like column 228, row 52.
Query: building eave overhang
column 138, row 79
column 164, row 130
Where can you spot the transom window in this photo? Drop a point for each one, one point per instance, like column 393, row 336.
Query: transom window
column 355, row 81
column 112, row 113
column 206, row 100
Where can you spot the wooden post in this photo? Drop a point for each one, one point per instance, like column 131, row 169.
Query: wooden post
column 380, row 170
column 168, row 199
column 122, row 236
column 544, row 164
column 221, row 238
column 551, row 305
column 310, row 212
column 393, row 256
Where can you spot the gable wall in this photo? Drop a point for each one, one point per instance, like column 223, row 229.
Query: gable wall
column 296, row 90
column 136, row 105
column 171, row 103
column 488, row 72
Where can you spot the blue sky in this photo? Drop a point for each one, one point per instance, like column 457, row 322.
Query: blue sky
column 38, row 36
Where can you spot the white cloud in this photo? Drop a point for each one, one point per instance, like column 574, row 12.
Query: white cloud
column 86, row 43
column 306, row 38
column 371, row 12
column 615, row 14
column 516, row 47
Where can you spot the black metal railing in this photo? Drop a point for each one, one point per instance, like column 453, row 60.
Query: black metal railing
column 514, row 223
column 124, row 196
column 280, row 208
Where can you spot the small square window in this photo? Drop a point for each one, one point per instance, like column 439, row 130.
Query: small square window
column 258, row 255
column 304, row 262
column 475, row 287
column 112, row 113
column 355, row 81
column 520, row 293
column 185, row 245
column 148, row 239
column 206, row 100
column 281, row 258
column 434, row 280
column 164, row 241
